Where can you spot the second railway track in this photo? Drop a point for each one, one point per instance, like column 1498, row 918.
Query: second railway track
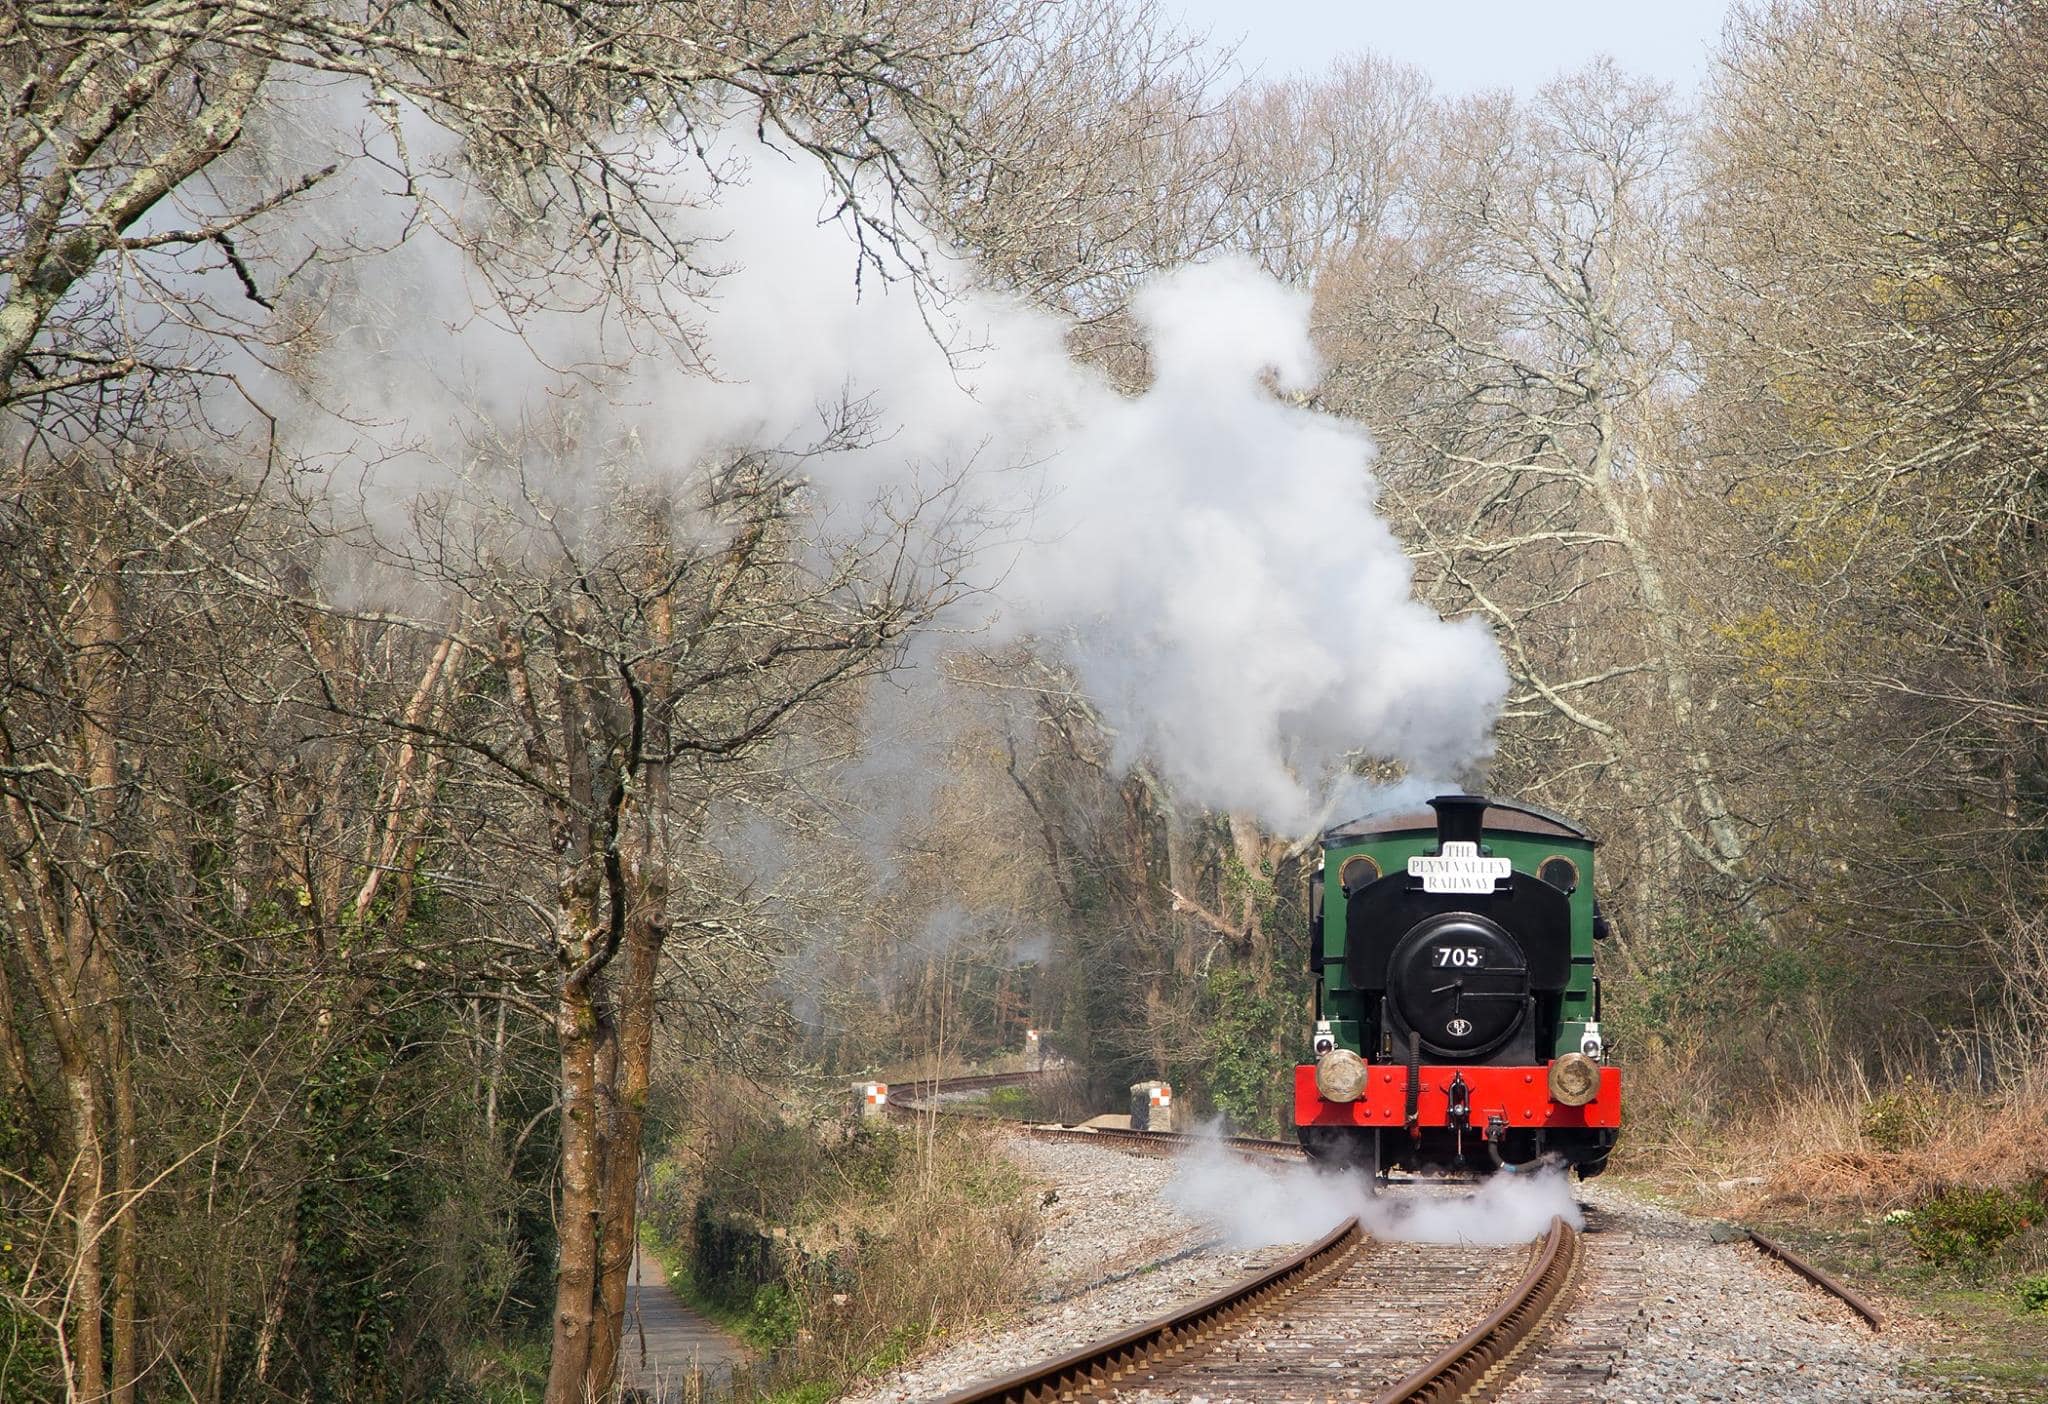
column 929, row 1096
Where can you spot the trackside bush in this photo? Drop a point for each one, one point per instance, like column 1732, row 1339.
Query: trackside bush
column 839, row 1249
column 1961, row 1226
column 1898, row 1120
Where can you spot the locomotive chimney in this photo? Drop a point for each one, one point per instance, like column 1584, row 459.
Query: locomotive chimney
column 1459, row 818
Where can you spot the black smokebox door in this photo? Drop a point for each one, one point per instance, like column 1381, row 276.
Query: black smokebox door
column 1460, row 981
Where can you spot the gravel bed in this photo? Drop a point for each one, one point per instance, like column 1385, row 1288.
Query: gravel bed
column 1719, row 1322
column 1114, row 1254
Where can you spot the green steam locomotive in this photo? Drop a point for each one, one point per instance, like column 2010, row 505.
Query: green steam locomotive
column 1457, row 993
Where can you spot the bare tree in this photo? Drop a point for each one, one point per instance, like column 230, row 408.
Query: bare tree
column 1867, row 311
column 124, row 183
column 1518, row 365
column 143, row 177
column 60, row 756
column 1342, row 154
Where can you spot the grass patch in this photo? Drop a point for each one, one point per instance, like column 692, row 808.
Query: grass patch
column 500, row 1373
column 817, row 1392
column 1983, row 1344
column 1933, row 1200
column 1973, row 1335
column 1013, row 1103
column 838, row 1250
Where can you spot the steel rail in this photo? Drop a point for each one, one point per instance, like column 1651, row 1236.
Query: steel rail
column 1163, row 1142
column 973, row 1082
column 1154, row 1143
column 922, row 1097
column 1476, row 1364
column 918, row 1099
column 915, row 1098
column 1772, row 1248
column 1081, row 1372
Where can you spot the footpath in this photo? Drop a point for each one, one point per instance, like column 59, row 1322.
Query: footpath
column 677, row 1340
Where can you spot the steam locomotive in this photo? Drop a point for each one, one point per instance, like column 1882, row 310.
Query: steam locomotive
column 1457, row 1000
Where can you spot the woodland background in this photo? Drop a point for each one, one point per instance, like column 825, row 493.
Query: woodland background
column 353, row 953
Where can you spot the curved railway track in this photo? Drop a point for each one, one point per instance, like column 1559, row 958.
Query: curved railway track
column 973, row 1082
column 1344, row 1316
column 1163, row 1142
column 1347, row 1316
column 926, row 1096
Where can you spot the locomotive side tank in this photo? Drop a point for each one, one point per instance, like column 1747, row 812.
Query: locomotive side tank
column 1457, row 999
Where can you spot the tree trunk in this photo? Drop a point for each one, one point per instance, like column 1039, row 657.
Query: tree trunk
column 1723, row 848
column 97, row 1045
column 576, row 1026
column 127, row 1228
column 622, row 1143
column 1249, row 844
column 88, row 1200
column 643, row 866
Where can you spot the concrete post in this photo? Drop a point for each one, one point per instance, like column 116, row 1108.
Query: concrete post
column 1034, row 1051
column 1151, row 1106
column 871, row 1098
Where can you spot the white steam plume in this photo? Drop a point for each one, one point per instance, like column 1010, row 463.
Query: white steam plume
column 1255, row 1204
column 1205, row 555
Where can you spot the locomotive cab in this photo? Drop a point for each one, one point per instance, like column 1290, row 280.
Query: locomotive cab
column 1457, row 1007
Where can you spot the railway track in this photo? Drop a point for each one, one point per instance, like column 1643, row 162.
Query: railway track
column 1352, row 1318
column 1771, row 1248
column 1346, row 1317
column 929, row 1095
column 915, row 1088
column 1163, row 1142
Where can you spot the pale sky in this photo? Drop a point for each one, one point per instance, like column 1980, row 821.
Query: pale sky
column 1467, row 45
